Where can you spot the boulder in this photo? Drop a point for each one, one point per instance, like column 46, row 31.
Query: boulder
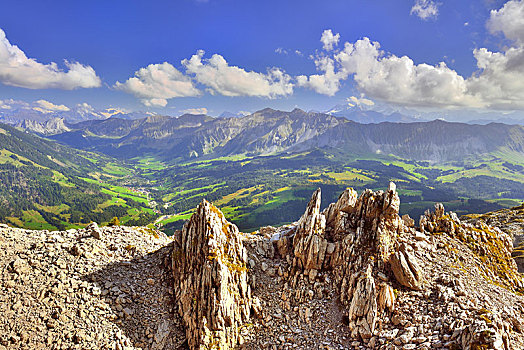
column 406, row 269
column 94, row 230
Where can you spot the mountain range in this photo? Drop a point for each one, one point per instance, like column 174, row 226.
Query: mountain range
column 363, row 111
column 16, row 112
column 271, row 132
column 258, row 167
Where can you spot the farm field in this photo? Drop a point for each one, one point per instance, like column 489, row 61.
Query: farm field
column 274, row 190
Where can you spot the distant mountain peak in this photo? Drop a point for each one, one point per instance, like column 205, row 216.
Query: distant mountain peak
column 298, row 110
column 367, row 115
column 266, row 110
column 52, row 126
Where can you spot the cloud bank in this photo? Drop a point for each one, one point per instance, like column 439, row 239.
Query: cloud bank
column 498, row 82
column 16, row 69
column 221, row 78
column 157, row 83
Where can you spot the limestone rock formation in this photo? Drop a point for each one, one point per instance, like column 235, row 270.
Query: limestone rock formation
column 309, row 245
column 491, row 244
column 211, row 287
column 511, row 222
column 352, row 276
column 356, row 243
column 366, row 250
column 406, row 269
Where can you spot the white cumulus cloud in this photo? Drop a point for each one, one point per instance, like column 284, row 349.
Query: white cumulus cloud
column 48, row 107
column 509, row 20
column 498, row 82
column 329, row 41
column 201, row 110
column 425, row 9
column 327, row 83
column 223, row 79
column 16, row 69
column 157, row 83
column 399, row 80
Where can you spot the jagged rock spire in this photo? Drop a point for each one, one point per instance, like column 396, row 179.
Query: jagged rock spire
column 309, row 244
column 210, row 268
column 357, row 250
column 355, row 238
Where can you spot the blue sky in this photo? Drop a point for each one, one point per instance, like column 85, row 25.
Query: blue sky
column 267, row 53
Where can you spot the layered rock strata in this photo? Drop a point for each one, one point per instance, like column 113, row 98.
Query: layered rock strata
column 359, row 254
column 209, row 265
column 352, row 276
column 355, row 238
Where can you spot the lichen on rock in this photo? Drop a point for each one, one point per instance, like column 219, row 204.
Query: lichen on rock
column 209, row 265
column 377, row 268
column 354, row 238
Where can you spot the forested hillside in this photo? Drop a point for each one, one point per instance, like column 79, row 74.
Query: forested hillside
column 46, row 185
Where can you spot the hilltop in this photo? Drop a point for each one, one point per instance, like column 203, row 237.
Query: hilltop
column 355, row 275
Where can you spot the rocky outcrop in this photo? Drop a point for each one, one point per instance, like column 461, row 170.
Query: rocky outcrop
column 354, row 238
column 406, row 269
column 211, row 287
column 511, row 222
column 365, row 250
column 309, row 245
column 490, row 244
column 352, row 276
column 480, row 335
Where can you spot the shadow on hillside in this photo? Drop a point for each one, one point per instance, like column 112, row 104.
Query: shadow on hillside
column 139, row 292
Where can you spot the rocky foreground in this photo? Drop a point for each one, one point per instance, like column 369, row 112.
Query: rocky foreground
column 353, row 276
column 95, row 288
column 510, row 221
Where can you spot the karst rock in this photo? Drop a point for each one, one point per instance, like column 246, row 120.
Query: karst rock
column 209, row 265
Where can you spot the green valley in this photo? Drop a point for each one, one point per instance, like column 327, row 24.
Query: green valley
column 259, row 169
column 44, row 185
column 258, row 191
